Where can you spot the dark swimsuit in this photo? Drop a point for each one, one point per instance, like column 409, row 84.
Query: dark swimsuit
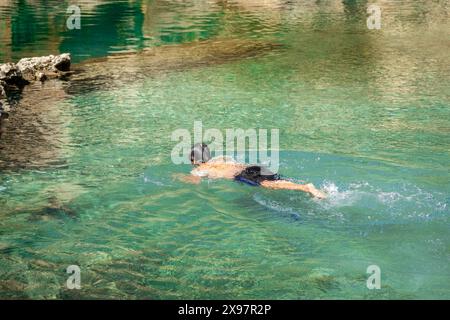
column 254, row 175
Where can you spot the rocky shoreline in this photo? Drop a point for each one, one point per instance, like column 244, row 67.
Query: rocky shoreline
column 14, row 76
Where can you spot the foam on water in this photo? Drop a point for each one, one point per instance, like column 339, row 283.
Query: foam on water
column 373, row 204
column 406, row 202
column 339, row 198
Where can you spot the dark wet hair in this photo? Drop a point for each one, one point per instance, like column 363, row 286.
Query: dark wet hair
column 200, row 153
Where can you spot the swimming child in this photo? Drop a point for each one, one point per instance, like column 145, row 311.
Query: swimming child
column 227, row 168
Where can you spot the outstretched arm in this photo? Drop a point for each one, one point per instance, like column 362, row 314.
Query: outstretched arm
column 287, row 185
column 187, row 178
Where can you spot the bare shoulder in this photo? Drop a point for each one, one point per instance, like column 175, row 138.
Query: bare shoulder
column 225, row 165
column 222, row 170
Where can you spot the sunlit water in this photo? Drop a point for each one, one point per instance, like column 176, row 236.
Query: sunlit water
column 87, row 177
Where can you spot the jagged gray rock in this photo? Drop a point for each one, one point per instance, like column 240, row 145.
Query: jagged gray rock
column 4, row 105
column 62, row 62
column 41, row 68
column 11, row 74
column 30, row 69
column 2, row 89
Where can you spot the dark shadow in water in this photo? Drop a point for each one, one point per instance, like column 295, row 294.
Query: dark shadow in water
column 33, row 134
column 55, row 210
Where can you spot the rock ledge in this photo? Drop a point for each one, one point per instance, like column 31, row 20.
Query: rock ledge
column 15, row 76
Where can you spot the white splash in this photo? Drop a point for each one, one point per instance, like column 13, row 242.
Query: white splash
column 389, row 197
column 337, row 198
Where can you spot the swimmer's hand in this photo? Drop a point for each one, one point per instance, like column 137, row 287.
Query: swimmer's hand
column 316, row 193
column 187, row 178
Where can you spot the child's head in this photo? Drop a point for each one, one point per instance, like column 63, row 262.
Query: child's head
column 200, row 153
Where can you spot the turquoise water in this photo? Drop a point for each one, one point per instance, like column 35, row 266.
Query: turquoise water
column 86, row 176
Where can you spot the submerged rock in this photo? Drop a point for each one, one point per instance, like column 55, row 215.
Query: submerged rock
column 4, row 104
column 2, row 89
column 4, row 108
